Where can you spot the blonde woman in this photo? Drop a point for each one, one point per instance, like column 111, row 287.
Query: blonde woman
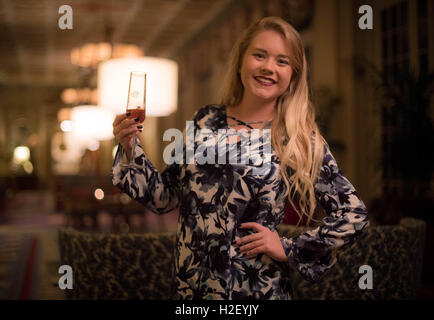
column 227, row 244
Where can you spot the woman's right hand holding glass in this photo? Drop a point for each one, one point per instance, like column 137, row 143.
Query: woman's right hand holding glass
column 125, row 131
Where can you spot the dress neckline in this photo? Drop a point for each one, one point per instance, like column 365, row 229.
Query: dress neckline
column 267, row 124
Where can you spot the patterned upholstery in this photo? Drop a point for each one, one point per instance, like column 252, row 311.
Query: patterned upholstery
column 140, row 266
column 114, row 266
column 394, row 253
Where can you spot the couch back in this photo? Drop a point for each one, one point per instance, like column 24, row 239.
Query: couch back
column 115, row 266
column 394, row 253
column 140, row 266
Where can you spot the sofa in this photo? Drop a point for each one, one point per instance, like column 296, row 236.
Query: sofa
column 140, row 266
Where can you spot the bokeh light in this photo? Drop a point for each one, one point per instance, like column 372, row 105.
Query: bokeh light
column 99, row 194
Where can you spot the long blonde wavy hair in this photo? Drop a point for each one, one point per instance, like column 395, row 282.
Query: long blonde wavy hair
column 301, row 150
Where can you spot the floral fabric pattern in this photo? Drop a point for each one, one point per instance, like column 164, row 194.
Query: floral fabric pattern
column 214, row 199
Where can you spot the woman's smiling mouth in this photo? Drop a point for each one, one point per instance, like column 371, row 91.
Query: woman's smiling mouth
column 265, row 81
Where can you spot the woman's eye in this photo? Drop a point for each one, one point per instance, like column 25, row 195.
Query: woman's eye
column 258, row 55
column 283, row 61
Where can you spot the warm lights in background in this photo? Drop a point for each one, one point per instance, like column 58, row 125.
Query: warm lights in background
column 21, row 158
column 66, row 153
column 99, row 194
column 64, row 114
column 21, row 154
column 92, row 145
column 28, row 167
column 83, row 127
column 161, row 81
column 90, row 54
column 66, row 125
column 88, row 123
column 91, row 123
column 76, row 96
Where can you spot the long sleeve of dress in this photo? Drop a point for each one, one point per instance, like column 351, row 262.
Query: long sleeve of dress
column 313, row 253
column 159, row 193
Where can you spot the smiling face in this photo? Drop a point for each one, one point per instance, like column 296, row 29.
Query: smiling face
column 265, row 69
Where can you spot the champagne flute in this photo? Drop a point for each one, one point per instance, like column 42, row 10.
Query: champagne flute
column 136, row 105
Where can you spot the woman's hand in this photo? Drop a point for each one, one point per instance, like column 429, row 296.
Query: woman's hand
column 125, row 131
column 264, row 241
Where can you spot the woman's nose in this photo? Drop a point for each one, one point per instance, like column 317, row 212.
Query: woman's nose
column 267, row 67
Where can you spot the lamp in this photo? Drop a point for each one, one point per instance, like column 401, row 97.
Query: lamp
column 91, row 123
column 21, row 154
column 161, row 80
column 87, row 58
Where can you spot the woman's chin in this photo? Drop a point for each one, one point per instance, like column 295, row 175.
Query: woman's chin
column 266, row 98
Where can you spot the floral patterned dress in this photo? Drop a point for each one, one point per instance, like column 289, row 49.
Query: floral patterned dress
column 214, row 199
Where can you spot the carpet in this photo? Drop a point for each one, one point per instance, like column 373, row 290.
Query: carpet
column 19, row 264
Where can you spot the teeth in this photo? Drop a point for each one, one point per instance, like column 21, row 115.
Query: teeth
column 264, row 80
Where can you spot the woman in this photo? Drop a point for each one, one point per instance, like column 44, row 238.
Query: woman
column 227, row 244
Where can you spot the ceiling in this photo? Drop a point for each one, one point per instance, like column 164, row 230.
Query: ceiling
column 34, row 50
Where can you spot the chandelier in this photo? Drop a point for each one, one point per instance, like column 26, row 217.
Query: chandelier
column 75, row 96
column 87, row 58
column 91, row 54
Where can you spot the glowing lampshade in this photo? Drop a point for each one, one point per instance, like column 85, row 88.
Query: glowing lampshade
column 21, row 154
column 91, row 123
column 161, row 84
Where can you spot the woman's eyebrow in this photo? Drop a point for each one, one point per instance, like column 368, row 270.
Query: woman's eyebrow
column 265, row 51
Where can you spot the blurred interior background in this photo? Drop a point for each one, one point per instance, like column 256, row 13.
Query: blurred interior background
column 372, row 90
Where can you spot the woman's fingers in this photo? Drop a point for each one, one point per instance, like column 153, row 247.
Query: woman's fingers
column 126, row 123
column 264, row 241
column 118, row 119
column 255, row 251
column 252, row 245
column 126, row 132
column 121, row 122
column 246, row 239
column 117, row 123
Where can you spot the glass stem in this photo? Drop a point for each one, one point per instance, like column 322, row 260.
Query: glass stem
column 133, row 151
